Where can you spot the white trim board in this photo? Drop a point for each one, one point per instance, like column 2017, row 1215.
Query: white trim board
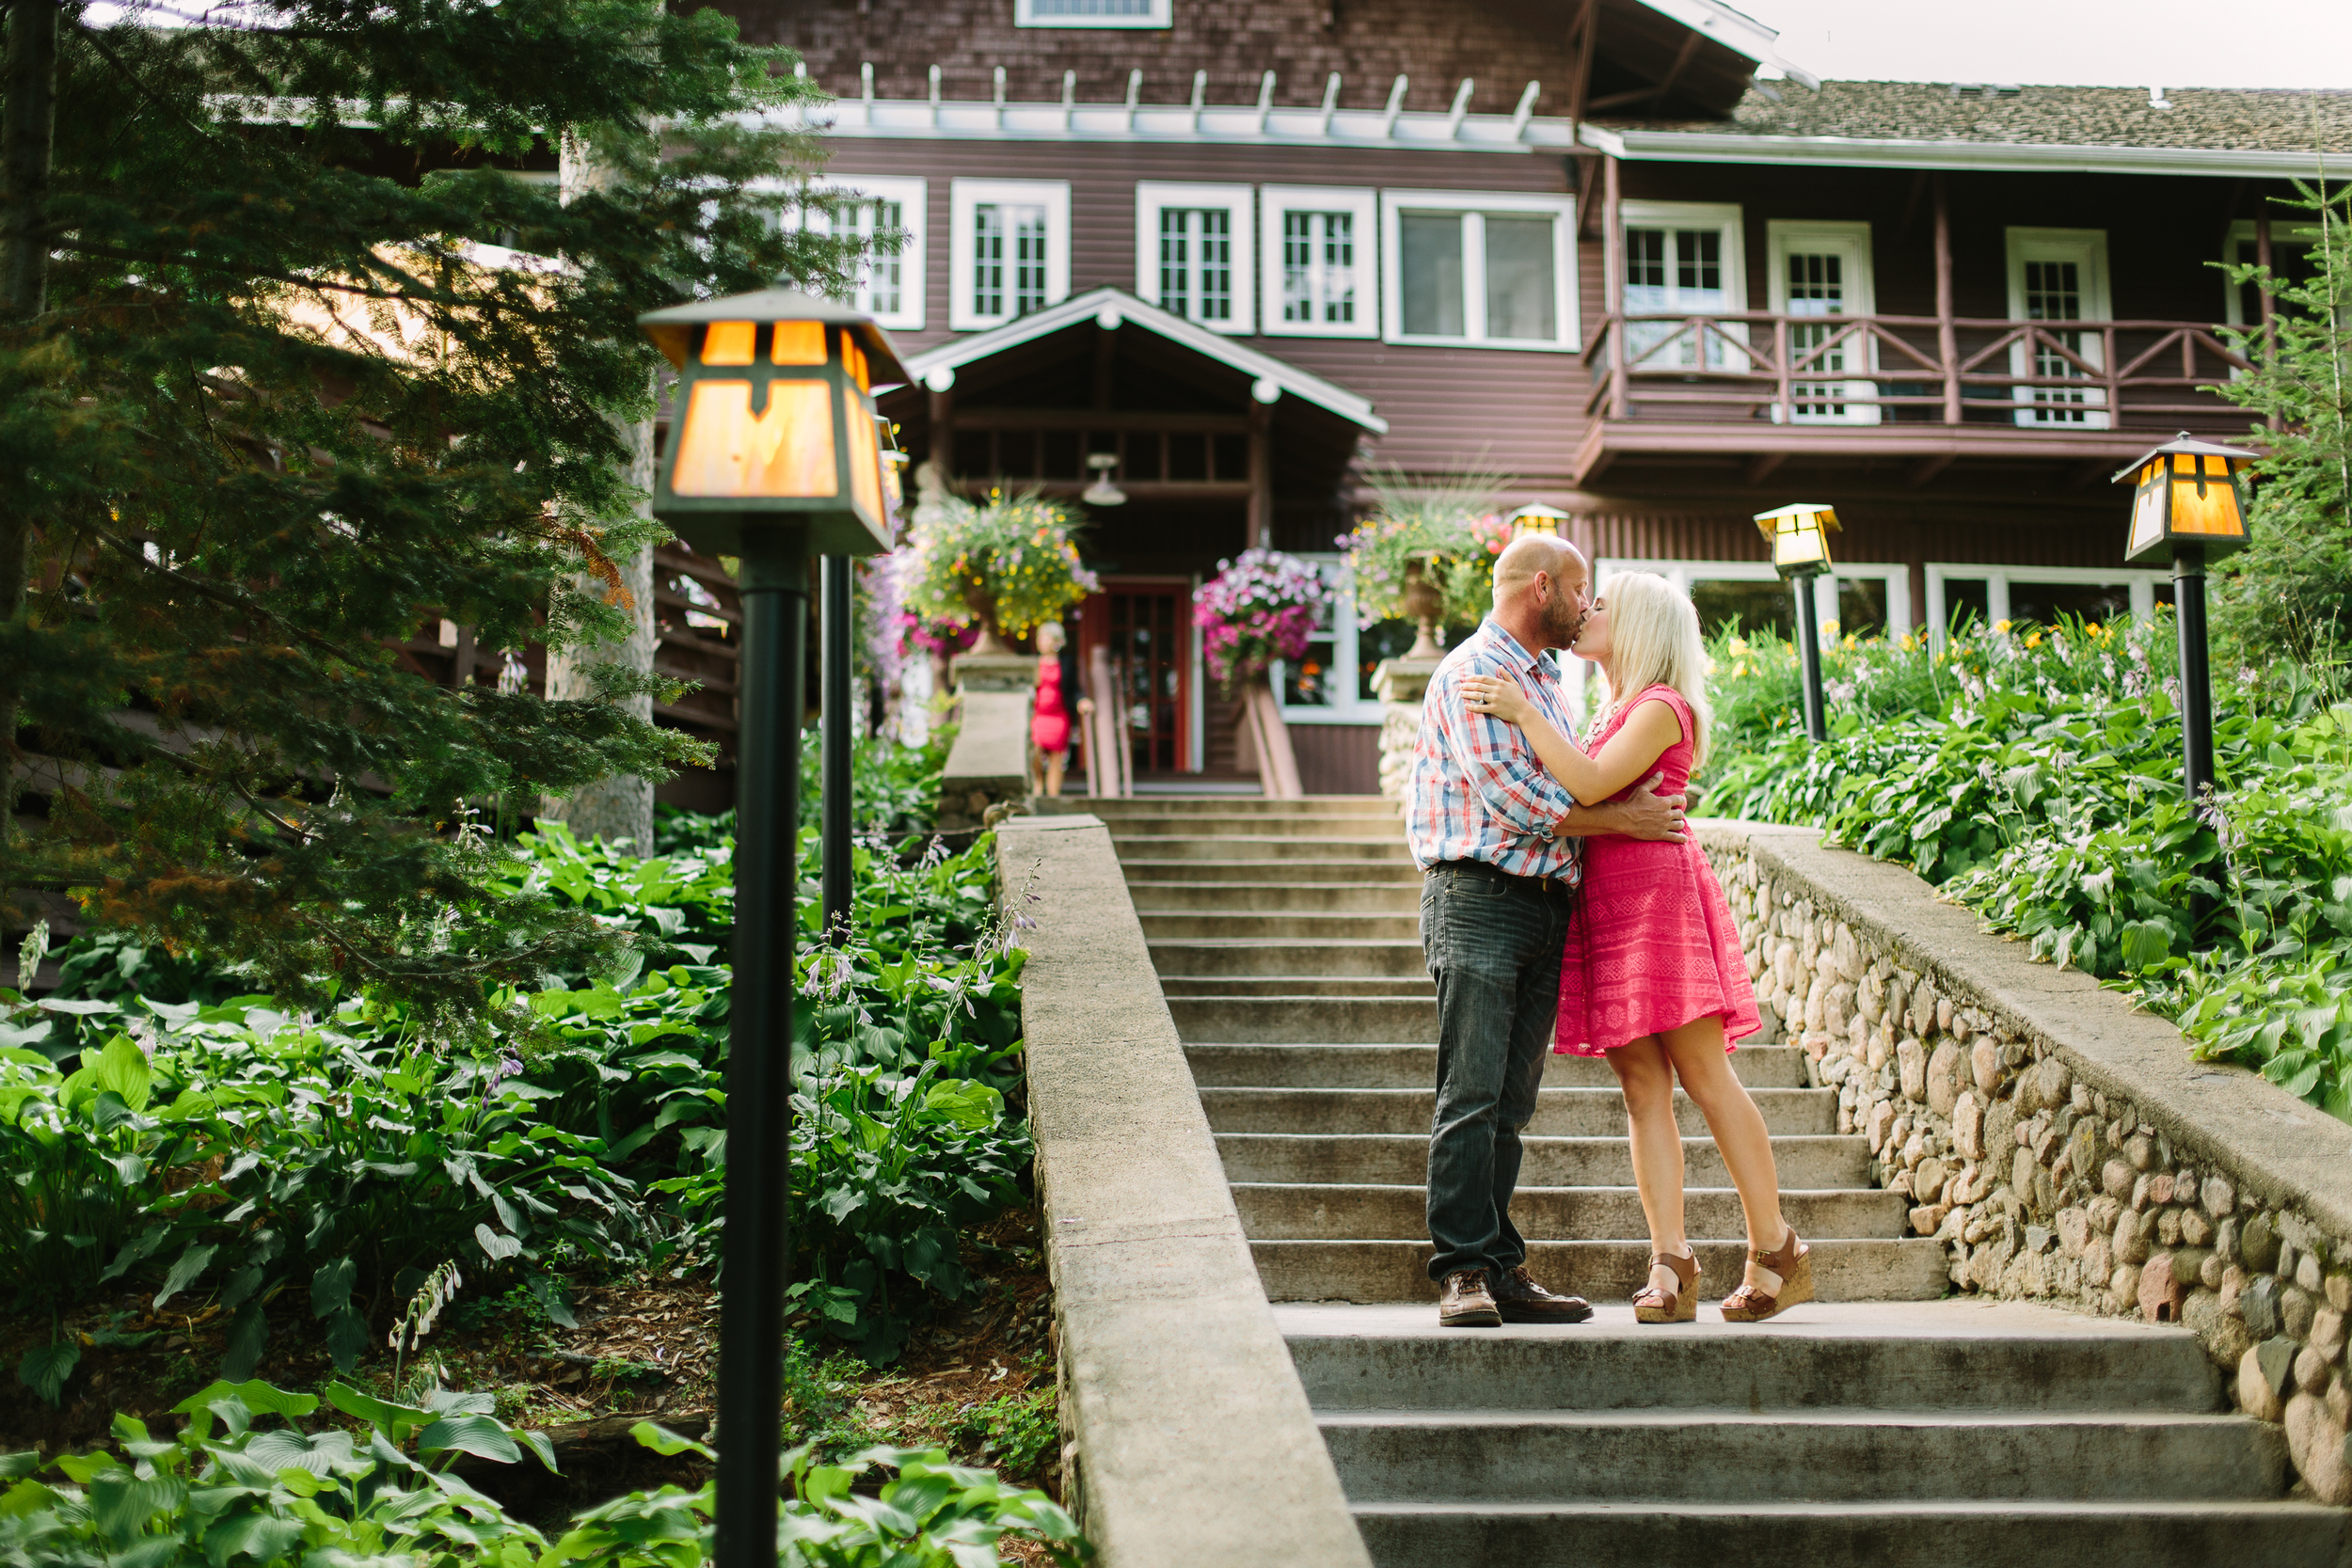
column 1718, row 147
column 1997, row 578
column 1114, row 308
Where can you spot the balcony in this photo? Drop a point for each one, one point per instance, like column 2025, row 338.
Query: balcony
column 1922, row 390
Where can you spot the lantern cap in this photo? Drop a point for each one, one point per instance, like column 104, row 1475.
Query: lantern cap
column 673, row 329
column 2183, row 445
column 1800, row 508
column 1539, row 509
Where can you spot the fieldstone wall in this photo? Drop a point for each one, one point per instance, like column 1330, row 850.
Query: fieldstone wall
column 2039, row 1169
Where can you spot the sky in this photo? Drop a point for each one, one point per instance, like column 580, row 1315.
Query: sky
column 2133, row 44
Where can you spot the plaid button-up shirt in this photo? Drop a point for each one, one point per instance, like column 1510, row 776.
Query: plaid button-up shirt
column 1477, row 790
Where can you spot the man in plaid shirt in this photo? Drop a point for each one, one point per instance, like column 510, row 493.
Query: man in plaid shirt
column 1496, row 839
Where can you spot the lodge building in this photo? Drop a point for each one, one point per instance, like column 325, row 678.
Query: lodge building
column 1619, row 251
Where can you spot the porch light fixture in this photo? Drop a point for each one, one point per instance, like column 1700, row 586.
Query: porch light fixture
column 1103, row 492
column 1798, row 536
column 775, row 455
column 1537, row 518
column 2188, row 505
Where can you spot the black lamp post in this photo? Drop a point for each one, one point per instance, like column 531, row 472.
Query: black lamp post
column 773, row 456
column 2188, row 506
column 1799, row 537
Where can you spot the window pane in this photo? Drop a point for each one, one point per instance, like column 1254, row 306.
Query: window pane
column 1644, row 270
column 988, row 260
column 2045, row 602
column 1213, row 279
column 1175, row 262
column 1431, row 273
column 1751, row 607
column 1299, row 267
column 1029, row 260
column 1965, row 600
column 1338, row 267
column 1861, row 606
column 885, row 273
column 1519, row 299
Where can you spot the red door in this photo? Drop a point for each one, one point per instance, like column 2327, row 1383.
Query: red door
column 1145, row 626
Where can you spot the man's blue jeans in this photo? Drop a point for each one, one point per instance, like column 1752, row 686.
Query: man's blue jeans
column 1493, row 946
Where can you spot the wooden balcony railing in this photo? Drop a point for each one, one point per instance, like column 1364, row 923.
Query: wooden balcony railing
column 1757, row 366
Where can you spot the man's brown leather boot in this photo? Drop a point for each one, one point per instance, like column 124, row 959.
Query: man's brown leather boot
column 1464, row 1301
column 1520, row 1300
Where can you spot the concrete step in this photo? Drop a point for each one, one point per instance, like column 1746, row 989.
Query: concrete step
column 1304, row 1018
column 1906, row 1534
column 1141, row 874
column 1560, row 1112
column 1295, row 926
column 1844, row 1269
column 1304, row 1211
column 1402, row 1160
column 1304, row 897
column 1960, row 1353
column 1703, row 1455
column 1417, row 986
column 1300, row 825
column 1259, row 847
column 1116, row 808
column 1196, row 957
column 1404, row 1067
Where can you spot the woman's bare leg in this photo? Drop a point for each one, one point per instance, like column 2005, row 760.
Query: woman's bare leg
column 1700, row 1061
column 1055, row 762
column 1646, row 1075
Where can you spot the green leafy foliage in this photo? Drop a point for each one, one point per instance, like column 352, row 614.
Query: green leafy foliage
column 240, row 1153
column 2044, row 793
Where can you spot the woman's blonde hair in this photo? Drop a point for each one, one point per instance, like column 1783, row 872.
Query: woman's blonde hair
column 1654, row 640
column 1060, row 633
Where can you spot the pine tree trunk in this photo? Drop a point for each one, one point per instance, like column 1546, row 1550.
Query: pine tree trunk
column 620, row 807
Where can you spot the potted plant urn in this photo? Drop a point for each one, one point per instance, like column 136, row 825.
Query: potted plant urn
column 1422, row 602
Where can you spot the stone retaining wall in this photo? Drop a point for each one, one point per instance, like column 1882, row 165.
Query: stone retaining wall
column 2060, row 1146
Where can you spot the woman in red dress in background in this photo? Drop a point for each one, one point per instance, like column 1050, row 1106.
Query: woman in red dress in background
column 1653, row 978
column 1049, row 717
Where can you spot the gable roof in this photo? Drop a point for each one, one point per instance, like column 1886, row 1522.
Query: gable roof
column 1111, row 307
column 1938, row 125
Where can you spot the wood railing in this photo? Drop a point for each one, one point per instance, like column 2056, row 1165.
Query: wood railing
column 1756, row 365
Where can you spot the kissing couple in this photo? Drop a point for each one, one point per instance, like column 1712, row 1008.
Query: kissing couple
column 1564, row 905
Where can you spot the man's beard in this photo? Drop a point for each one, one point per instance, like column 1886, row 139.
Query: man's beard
column 1563, row 622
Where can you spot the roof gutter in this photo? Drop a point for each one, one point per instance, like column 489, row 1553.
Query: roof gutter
column 1717, row 147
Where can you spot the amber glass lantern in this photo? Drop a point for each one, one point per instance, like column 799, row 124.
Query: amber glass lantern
column 1538, row 517
column 1799, row 537
column 2187, row 493
column 773, row 422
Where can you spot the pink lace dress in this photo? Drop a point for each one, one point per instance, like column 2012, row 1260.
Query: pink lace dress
column 1652, row 946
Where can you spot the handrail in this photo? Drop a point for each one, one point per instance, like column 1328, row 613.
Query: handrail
column 1783, row 373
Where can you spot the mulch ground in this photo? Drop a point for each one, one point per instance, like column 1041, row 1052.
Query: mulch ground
column 975, row 1380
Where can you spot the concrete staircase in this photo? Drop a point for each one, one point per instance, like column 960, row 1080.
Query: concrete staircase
column 1908, row 1431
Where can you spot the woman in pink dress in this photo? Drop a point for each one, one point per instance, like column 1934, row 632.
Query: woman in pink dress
column 1049, row 717
column 1652, row 977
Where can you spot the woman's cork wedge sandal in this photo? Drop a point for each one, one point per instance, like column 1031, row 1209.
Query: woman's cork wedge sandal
column 1790, row 1270
column 1654, row 1306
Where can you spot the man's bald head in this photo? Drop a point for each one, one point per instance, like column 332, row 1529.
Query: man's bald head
column 1541, row 584
column 1530, row 553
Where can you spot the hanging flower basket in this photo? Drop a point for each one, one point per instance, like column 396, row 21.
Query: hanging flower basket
column 1003, row 568
column 1260, row 607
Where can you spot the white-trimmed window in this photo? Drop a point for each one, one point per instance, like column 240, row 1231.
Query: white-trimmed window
column 1007, row 250
column 1318, row 250
column 2059, row 274
column 1863, row 599
column 1093, row 14
column 1821, row 272
column 1327, row 684
column 892, row 212
column 1995, row 593
column 1684, row 259
column 1486, row 270
column 1194, row 249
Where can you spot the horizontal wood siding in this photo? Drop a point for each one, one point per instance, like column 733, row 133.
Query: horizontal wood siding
column 1337, row 759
